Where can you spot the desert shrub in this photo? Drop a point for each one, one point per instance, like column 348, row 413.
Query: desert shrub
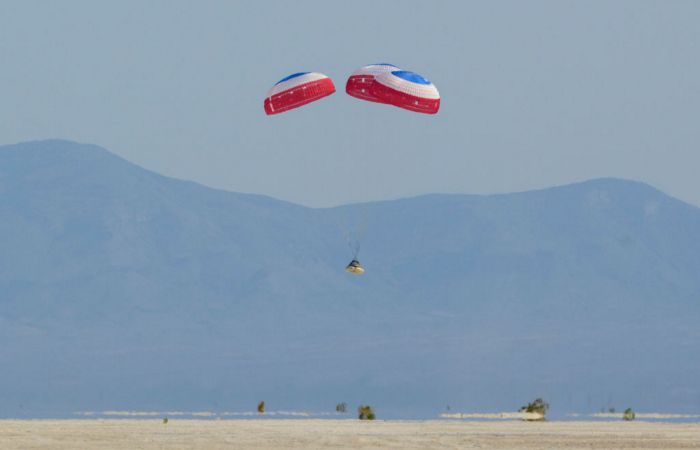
column 628, row 414
column 341, row 407
column 261, row 407
column 538, row 406
column 365, row 412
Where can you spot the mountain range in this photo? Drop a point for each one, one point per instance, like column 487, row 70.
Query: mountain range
column 124, row 289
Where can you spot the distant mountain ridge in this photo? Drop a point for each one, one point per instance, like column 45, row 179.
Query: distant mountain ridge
column 122, row 288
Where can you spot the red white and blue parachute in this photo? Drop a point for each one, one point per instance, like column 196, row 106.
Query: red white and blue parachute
column 297, row 90
column 359, row 84
column 406, row 90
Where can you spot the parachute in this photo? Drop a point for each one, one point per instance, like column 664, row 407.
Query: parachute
column 407, row 90
column 359, row 84
column 386, row 83
column 297, row 90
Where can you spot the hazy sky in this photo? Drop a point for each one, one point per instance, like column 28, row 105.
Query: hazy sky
column 533, row 93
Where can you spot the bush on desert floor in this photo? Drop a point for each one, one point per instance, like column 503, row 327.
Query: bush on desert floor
column 365, row 412
column 538, row 406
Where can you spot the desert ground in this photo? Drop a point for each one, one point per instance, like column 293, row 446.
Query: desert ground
column 325, row 434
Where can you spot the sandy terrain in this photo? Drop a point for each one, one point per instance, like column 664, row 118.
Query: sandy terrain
column 324, row 434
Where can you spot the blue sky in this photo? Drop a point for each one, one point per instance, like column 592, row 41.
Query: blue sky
column 533, row 93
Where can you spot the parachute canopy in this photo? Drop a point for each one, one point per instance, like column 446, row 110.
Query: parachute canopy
column 297, row 90
column 406, row 90
column 359, row 84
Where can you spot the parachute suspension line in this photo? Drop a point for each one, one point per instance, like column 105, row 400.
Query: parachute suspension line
column 354, row 245
column 352, row 233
